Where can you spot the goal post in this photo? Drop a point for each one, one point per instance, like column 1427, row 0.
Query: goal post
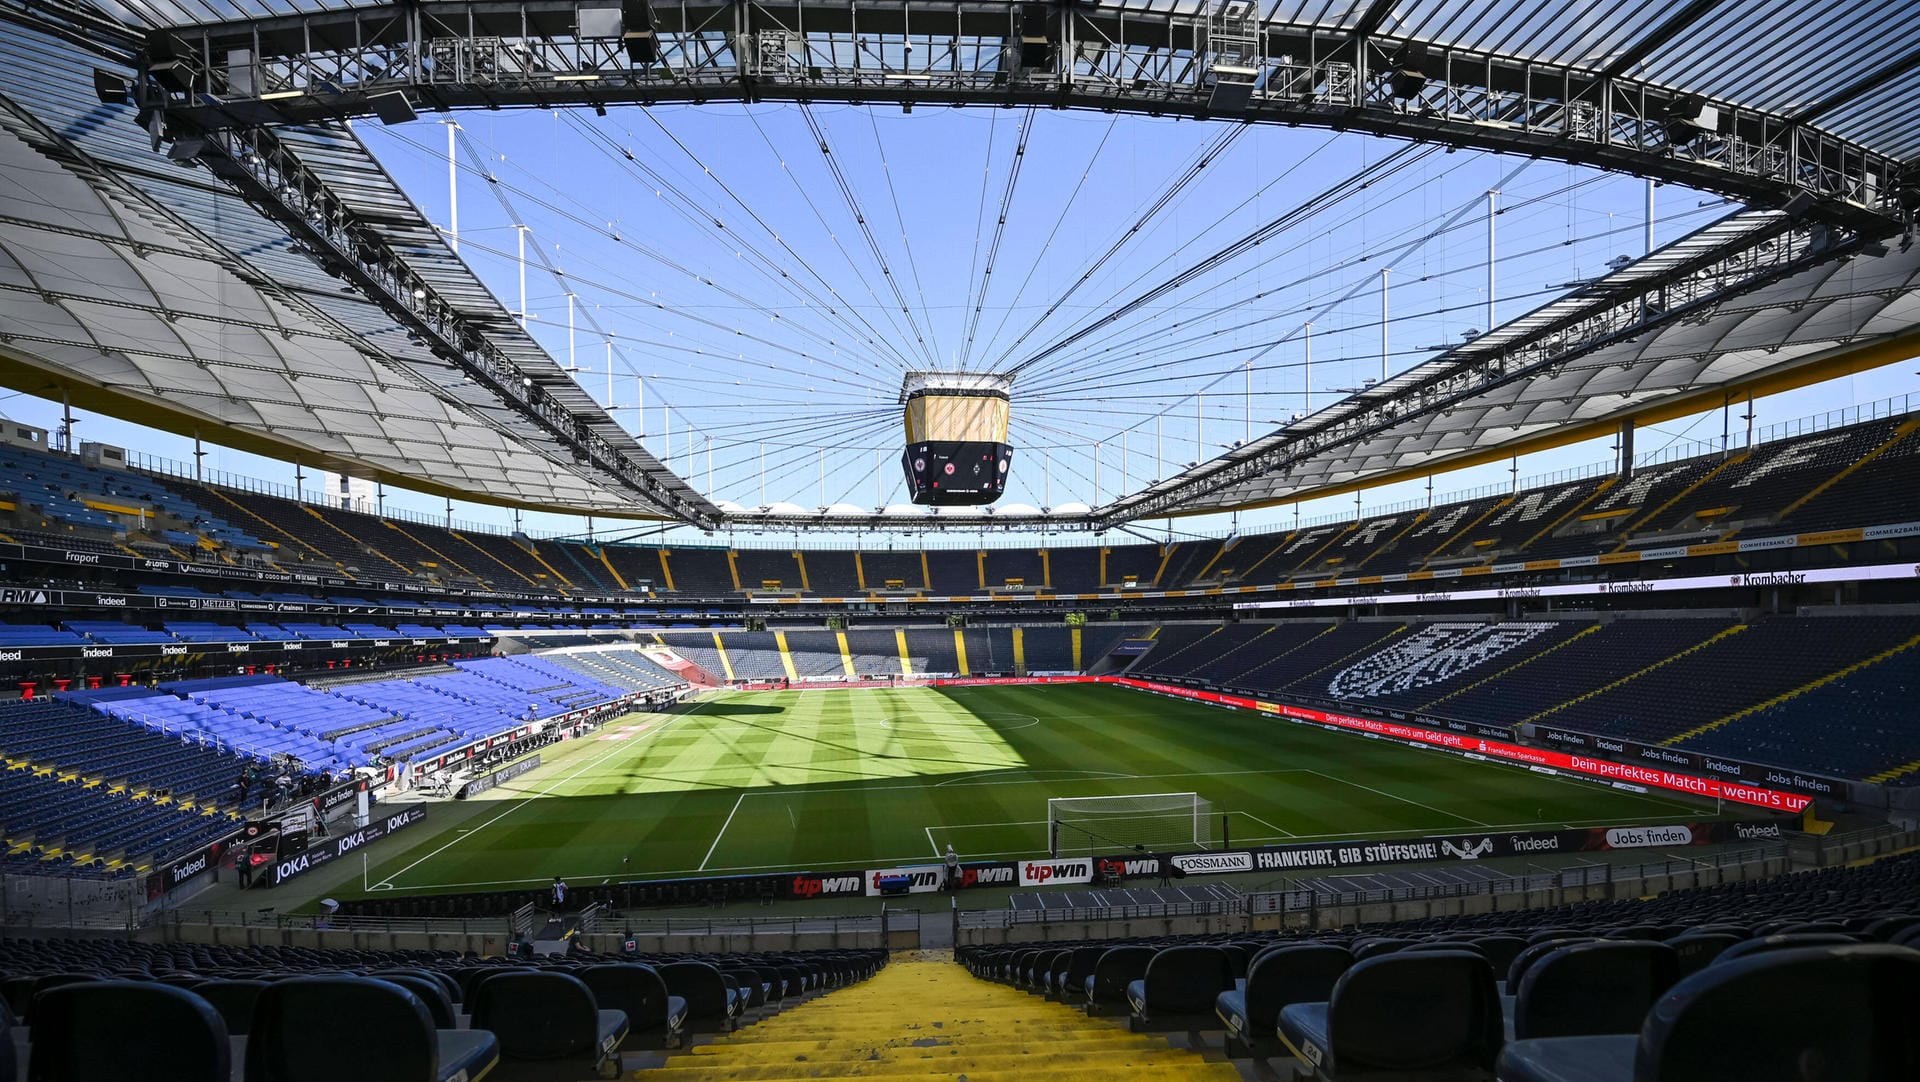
column 1141, row 822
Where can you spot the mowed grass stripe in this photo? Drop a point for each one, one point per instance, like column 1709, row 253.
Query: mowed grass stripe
column 855, row 778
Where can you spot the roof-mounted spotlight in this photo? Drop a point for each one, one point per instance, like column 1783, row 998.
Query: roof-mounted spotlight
column 1689, row 117
column 173, row 74
column 1408, row 77
column 111, row 89
column 1039, row 33
column 187, row 150
column 393, row 108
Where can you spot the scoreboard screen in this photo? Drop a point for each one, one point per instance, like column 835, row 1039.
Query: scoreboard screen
column 956, row 473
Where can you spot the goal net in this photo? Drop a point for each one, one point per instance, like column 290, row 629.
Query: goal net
column 1148, row 822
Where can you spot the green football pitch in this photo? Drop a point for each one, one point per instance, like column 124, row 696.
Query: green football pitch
column 764, row 781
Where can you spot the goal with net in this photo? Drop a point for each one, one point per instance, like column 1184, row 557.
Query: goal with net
column 1146, row 822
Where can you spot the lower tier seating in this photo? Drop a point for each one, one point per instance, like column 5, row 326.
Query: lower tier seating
column 1620, row 991
column 96, row 1009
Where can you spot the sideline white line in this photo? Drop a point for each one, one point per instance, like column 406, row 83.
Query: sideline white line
column 1405, row 800
column 470, row 832
column 723, row 831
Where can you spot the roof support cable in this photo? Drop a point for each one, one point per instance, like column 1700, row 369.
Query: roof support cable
column 866, row 231
column 838, row 307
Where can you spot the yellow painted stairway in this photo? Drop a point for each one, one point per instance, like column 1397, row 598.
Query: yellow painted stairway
column 932, row 1019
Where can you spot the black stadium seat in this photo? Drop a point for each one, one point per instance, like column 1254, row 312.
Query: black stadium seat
column 1299, row 973
column 52, row 980
column 234, row 1000
column 1179, row 988
column 1697, row 950
column 431, row 995
column 1500, row 950
column 1789, row 1015
column 1071, row 986
column 1886, row 929
column 1516, row 970
column 449, row 987
column 1117, row 968
column 654, row 1017
column 549, row 1026
column 711, row 1005
column 1591, row 988
column 1430, row 1016
column 1785, row 941
column 86, row 1031
column 324, row 1028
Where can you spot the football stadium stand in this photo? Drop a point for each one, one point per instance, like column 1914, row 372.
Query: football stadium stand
column 1838, row 479
column 1756, row 691
column 84, row 790
column 1597, row 991
column 76, row 1008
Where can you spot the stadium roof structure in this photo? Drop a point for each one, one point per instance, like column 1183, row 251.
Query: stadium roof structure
column 243, row 264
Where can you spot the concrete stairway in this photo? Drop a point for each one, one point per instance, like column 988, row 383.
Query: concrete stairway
column 923, row 1017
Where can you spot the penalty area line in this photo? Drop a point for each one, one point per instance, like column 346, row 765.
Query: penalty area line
column 723, row 832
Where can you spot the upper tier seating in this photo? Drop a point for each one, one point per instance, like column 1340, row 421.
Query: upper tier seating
column 883, row 566
column 757, row 567
column 62, row 487
column 1852, row 476
column 700, row 572
column 952, row 571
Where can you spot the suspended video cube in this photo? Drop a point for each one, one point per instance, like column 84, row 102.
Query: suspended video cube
column 957, row 453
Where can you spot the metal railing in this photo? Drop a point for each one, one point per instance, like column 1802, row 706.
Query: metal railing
column 1009, row 917
column 72, row 901
column 1597, row 873
column 759, row 926
column 522, row 919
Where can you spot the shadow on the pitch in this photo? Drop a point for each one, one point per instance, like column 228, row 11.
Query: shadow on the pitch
column 735, row 707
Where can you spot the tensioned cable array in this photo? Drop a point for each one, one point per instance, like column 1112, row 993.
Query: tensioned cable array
column 1150, row 316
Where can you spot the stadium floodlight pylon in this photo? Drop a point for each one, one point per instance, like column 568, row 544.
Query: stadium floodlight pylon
column 1142, row 822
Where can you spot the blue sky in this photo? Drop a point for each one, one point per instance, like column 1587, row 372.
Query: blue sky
column 769, row 296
